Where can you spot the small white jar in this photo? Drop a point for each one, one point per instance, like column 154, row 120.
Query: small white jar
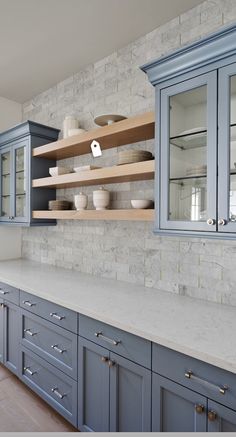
column 101, row 199
column 70, row 122
column 81, row 201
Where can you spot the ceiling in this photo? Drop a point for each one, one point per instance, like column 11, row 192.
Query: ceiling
column 42, row 42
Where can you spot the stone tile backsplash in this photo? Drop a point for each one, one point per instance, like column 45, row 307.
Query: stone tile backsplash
column 123, row 250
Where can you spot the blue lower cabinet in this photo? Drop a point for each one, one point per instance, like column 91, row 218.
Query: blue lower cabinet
column 56, row 388
column 1, row 330
column 220, row 418
column 176, row 408
column 93, row 388
column 11, row 336
column 130, row 396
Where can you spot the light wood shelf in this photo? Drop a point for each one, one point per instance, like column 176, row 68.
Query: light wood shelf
column 131, row 130
column 109, row 214
column 108, row 175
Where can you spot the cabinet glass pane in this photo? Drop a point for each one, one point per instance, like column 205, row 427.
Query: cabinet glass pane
column 232, row 194
column 20, row 182
column 5, row 184
column 188, row 155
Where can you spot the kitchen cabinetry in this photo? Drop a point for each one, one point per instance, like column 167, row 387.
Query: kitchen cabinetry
column 190, row 395
column 9, row 325
column 115, row 393
column 101, row 378
column 1, row 330
column 18, row 167
column 195, row 142
column 220, row 418
column 11, row 336
column 176, row 408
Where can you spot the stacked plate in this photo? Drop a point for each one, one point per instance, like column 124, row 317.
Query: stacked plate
column 197, row 170
column 58, row 205
column 130, row 156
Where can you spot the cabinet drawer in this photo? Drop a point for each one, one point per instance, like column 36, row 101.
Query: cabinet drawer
column 56, row 345
column 127, row 345
column 53, row 386
column 197, row 375
column 9, row 293
column 50, row 311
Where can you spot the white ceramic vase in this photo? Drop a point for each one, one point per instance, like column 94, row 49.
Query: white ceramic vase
column 69, row 123
column 101, row 199
column 81, row 201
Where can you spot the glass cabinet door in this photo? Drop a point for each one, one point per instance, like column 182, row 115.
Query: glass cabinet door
column 227, row 149
column 5, row 184
column 188, row 153
column 20, row 182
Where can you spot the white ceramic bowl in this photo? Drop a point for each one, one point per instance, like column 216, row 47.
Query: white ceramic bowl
column 141, row 203
column 57, row 171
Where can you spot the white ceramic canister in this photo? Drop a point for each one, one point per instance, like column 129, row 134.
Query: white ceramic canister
column 70, row 122
column 81, row 201
column 101, row 198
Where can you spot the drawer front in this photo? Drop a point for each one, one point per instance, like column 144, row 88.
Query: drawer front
column 53, row 386
column 9, row 293
column 56, row 345
column 54, row 313
column 127, row 345
column 210, row 381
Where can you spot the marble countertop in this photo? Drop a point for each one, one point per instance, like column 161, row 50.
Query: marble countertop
column 201, row 329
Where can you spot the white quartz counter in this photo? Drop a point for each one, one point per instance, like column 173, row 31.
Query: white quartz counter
column 197, row 328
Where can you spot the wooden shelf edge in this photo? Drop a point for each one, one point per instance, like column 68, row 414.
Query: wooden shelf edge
column 109, row 214
column 108, row 175
column 133, row 129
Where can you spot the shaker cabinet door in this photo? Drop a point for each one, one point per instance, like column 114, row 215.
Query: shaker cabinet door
column 1, row 330
column 186, row 194
column 93, row 387
column 130, row 396
column 11, row 336
column 220, row 418
column 176, row 408
column 227, row 149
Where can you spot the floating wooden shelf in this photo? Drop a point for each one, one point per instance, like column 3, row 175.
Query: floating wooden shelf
column 109, row 214
column 131, row 130
column 109, row 175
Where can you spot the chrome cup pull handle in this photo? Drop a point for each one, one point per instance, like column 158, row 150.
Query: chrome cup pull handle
column 56, row 316
column 222, row 389
column 107, row 339
column 57, row 393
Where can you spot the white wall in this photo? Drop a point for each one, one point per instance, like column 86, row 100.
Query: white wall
column 10, row 237
column 10, row 113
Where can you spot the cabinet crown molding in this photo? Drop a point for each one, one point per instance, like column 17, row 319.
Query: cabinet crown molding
column 205, row 51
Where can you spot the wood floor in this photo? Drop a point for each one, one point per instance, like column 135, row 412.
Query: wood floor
column 23, row 411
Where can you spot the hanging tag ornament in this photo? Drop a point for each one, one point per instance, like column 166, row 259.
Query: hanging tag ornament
column 96, row 149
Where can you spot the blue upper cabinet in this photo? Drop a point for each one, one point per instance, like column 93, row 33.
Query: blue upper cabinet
column 18, row 168
column 195, row 185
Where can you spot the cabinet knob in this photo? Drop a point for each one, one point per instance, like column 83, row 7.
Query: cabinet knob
column 221, row 222
column 111, row 363
column 199, row 408
column 210, row 221
column 104, row 359
column 212, row 416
